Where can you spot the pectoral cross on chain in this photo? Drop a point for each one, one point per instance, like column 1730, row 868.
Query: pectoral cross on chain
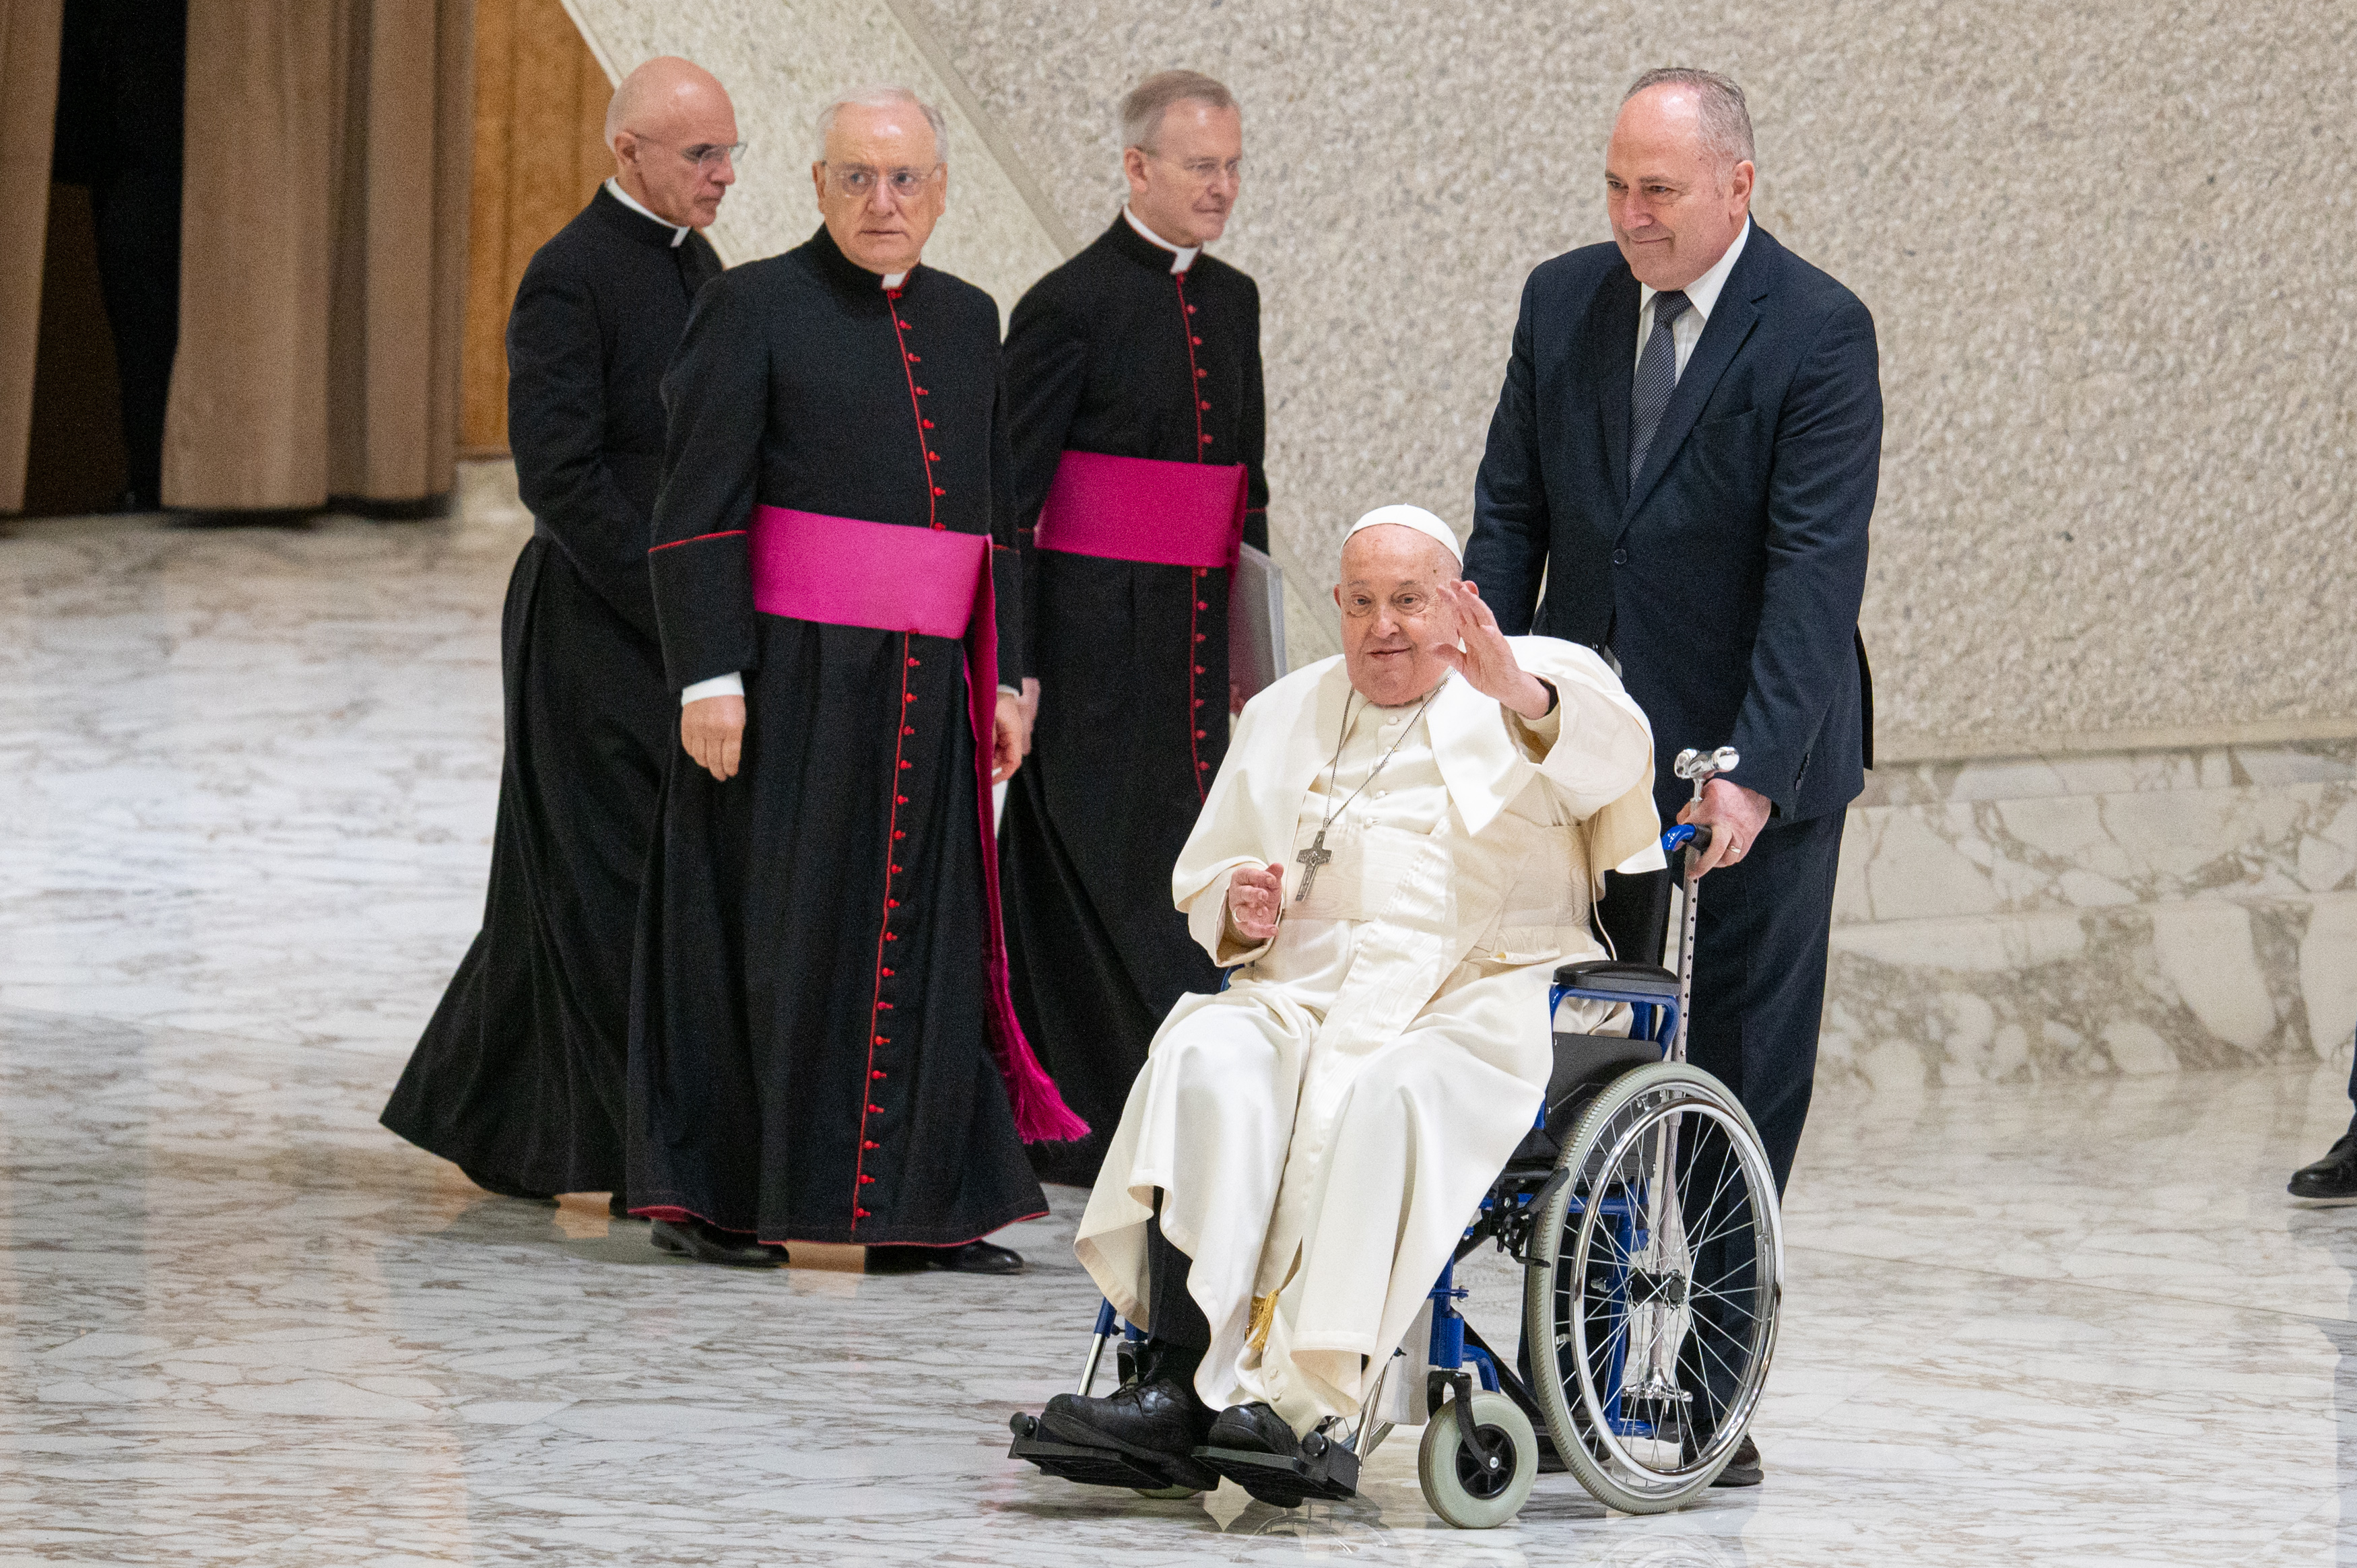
column 1315, row 856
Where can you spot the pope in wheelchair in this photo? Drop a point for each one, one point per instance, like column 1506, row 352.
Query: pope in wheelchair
column 1396, row 857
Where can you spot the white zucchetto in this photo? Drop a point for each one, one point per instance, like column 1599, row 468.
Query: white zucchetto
column 1413, row 517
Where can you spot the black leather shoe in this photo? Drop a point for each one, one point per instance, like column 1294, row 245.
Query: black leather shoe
column 2330, row 1180
column 1254, row 1446
column 1160, row 1422
column 1744, row 1469
column 974, row 1258
column 708, row 1243
column 504, row 1189
column 1253, row 1429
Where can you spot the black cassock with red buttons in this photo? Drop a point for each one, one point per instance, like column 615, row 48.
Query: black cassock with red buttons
column 809, row 1055
column 1114, row 352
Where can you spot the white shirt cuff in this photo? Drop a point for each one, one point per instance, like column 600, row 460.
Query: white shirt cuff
column 1009, row 690
column 719, row 686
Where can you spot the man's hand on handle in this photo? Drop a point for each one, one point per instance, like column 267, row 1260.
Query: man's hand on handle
column 713, row 731
column 1487, row 661
column 1008, row 734
column 1254, row 900
column 1734, row 816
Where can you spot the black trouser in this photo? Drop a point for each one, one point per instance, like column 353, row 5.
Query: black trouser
column 2352, row 1096
column 1171, row 1315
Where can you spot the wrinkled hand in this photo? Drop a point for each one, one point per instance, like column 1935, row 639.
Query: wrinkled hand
column 1006, row 736
column 1030, row 710
column 1734, row 816
column 713, row 731
column 1237, row 698
column 1255, row 899
column 1487, row 661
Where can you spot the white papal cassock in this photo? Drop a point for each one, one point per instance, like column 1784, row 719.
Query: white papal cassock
column 1322, row 1129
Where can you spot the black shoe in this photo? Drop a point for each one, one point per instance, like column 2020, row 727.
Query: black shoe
column 1254, row 1446
column 708, row 1243
column 1160, row 1424
column 619, row 1210
column 2332, row 1180
column 1253, row 1429
column 505, row 1189
column 974, row 1258
column 1744, row 1469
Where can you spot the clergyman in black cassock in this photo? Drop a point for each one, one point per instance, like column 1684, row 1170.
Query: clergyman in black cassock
column 518, row 1078
column 1136, row 347
column 812, row 1046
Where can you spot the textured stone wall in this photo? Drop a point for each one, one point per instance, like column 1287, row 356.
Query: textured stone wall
column 2107, row 246
column 781, row 60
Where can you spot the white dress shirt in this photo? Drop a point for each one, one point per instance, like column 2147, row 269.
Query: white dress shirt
column 1181, row 256
column 1702, row 296
column 679, row 231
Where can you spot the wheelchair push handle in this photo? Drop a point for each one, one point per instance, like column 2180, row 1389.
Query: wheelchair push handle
column 1700, row 767
column 1694, row 836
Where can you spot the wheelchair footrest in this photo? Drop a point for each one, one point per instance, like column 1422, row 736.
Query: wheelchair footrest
column 1093, row 1466
column 1330, row 1474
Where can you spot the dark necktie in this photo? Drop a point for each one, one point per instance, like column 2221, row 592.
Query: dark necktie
column 1657, row 377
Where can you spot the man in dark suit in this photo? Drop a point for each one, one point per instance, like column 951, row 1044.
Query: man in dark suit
column 1685, row 451
column 518, row 1078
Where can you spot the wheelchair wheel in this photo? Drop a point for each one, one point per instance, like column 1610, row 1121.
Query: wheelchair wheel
column 1654, row 1272
column 1465, row 1486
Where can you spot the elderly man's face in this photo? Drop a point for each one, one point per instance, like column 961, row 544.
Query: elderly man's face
column 1185, row 188
column 1392, row 614
column 1675, row 207
column 882, row 185
column 676, row 155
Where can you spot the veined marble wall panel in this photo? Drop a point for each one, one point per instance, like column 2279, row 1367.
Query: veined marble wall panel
column 782, row 60
column 2105, row 245
column 2133, row 913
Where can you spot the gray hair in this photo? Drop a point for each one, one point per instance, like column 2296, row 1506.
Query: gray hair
column 1724, row 118
column 884, row 97
column 1142, row 109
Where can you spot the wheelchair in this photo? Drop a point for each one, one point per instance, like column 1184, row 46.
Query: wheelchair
column 1643, row 1213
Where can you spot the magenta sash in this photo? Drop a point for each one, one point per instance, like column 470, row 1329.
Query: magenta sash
column 841, row 572
column 1141, row 509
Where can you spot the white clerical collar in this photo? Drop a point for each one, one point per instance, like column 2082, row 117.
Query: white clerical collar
column 614, row 188
column 1702, row 293
column 1181, row 256
column 894, row 280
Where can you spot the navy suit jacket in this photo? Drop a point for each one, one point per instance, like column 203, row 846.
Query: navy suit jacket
column 1726, row 578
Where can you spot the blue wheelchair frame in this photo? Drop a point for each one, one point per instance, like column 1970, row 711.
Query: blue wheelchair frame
column 1653, row 1017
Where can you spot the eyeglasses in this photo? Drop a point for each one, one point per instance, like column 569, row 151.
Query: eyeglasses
column 1205, row 171
column 859, row 180
column 705, row 156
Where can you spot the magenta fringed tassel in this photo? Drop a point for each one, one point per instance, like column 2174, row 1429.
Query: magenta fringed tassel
column 1041, row 1114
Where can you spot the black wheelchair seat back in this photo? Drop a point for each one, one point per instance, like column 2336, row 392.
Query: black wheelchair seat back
column 1633, row 920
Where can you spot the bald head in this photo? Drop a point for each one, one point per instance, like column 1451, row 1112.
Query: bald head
column 674, row 135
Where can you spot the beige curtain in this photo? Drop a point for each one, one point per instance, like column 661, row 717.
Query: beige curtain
column 28, row 94
column 324, row 253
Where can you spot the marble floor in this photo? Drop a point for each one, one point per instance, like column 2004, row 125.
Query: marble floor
column 248, row 782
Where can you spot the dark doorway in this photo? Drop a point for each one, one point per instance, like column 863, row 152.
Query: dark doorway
column 103, row 376
column 75, row 461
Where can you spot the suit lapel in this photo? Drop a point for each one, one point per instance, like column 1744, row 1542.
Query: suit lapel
column 1610, row 335
column 1722, row 338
